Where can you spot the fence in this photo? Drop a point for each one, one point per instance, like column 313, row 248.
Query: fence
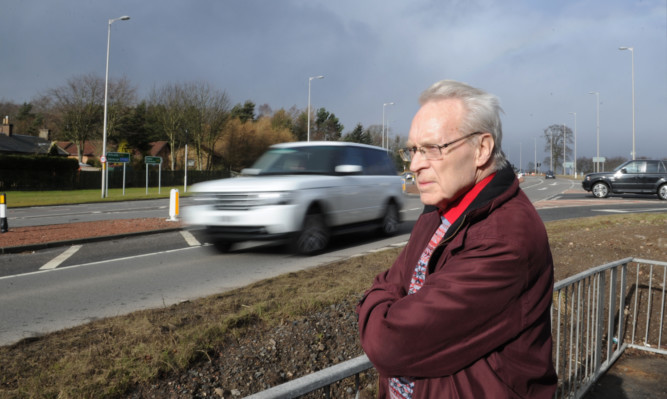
column 596, row 315
column 27, row 180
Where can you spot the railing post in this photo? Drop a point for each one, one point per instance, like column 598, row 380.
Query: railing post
column 612, row 310
column 599, row 321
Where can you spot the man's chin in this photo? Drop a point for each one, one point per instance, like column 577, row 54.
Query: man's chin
column 429, row 199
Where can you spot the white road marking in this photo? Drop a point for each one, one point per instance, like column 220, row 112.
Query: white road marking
column 190, row 239
column 629, row 210
column 58, row 260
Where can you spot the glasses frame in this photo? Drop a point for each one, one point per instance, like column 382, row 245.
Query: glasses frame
column 410, row 152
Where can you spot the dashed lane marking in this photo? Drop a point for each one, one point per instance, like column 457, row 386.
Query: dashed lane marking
column 190, row 239
column 58, row 260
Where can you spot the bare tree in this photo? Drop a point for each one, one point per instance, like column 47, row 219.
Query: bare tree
column 121, row 99
column 207, row 111
column 555, row 136
column 78, row 107
column 168, row 107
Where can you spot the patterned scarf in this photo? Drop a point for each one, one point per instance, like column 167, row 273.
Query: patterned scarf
column 401, row 388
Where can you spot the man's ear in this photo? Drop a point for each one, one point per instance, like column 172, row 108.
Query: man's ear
column 484, row 149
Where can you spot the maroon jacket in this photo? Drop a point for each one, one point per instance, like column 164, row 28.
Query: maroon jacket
column 480, row 326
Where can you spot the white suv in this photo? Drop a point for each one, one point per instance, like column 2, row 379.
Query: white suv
column 304, row 192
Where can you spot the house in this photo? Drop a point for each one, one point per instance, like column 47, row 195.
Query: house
column 20, row 144
column 88, row 153
column 157, row 149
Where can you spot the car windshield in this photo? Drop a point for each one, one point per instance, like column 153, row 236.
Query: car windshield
column 296, row 160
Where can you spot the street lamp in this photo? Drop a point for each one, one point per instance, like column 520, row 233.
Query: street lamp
column 597, row 124
column 632, row 51
column 310, row 79
column 383, row 129
column 575, row 142
column 106, row 89
column 564, row 149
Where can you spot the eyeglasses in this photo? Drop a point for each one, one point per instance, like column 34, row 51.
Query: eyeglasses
column 430, row 152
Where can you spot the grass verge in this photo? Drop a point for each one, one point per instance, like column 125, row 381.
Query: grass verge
column 40, row 198
column 105, row 358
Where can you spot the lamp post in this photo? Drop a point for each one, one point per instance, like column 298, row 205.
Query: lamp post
column 535, row 163
column 383, row 128
column 564, row 149
column 310, row 79
column 632, row 51
column 106, row 90
column 575, row 143
column 551, row 163
column 597, row 124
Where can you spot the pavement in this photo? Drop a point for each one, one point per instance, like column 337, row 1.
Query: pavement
column 635, row 375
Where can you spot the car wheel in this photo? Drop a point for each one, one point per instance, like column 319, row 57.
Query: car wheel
column 662, row 192
column 314, row 235
column 390, row 221
column 600, row 190
column 222, row 246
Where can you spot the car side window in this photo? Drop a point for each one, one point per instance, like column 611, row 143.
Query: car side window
column 377, row 162
column 652, row 167
column 661, row 167
column 352, row 156
column 636, row 167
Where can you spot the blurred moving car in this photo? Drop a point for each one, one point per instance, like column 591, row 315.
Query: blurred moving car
column 639, row 177
column 303, row 192
column 549, row 175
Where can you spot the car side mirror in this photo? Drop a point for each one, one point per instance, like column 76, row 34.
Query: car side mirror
column 348, row 169
column 623, row 170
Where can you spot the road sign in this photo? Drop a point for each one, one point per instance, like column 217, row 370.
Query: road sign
column 568, row 164
column 153, row 160
column 599, row 159
column 122, row 157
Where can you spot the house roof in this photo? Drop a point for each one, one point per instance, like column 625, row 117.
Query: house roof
column 22, row 144
column 89, row 148
column 157, row 147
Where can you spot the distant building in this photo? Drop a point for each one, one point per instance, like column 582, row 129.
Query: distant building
column 87, row 154
column 20, row 144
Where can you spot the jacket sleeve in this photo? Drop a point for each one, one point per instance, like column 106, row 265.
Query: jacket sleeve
column 479, row 298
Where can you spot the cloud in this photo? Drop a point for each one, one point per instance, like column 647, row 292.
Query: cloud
column 540, row 58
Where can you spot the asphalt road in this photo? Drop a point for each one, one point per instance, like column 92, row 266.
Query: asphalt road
column 62, row 287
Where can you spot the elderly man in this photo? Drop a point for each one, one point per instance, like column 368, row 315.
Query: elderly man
column 464, row 312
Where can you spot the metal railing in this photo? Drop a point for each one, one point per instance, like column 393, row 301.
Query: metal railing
column 624, row 300
column 599, row 313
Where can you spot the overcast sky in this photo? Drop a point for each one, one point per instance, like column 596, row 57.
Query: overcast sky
column 541, row 58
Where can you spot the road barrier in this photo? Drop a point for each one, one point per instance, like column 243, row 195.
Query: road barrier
column 3, row 213
column 173, row 205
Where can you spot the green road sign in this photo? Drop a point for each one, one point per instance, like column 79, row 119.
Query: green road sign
column 123, row 157
column 153, row 160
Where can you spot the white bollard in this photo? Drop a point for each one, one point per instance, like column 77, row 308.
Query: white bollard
column 173, row 205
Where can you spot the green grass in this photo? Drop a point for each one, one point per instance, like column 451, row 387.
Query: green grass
column 16, row 199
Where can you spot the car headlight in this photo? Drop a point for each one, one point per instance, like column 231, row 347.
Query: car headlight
column 274, row 198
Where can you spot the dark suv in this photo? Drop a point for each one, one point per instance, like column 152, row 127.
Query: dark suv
column 639, row 177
